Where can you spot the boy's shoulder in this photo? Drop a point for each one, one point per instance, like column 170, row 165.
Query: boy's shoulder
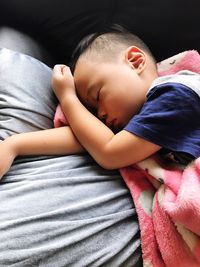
column 188, row 78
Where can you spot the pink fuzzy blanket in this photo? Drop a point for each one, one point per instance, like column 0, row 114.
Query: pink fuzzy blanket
column 166, row 196
column 167, row 201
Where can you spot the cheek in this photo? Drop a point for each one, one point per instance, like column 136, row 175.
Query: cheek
column 126, row 110
column 122, row 107
column 125, row 101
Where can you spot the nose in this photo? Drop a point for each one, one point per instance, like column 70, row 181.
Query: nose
column 102, row 115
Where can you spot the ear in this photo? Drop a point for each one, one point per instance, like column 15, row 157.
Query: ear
column 136, row 58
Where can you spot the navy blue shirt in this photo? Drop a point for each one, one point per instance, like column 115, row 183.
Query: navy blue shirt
column 170, row 118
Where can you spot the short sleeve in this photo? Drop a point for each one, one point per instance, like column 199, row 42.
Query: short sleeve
column 170, row 118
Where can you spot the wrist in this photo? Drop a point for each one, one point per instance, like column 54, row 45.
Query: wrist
column 68, row 99
column 12, row 144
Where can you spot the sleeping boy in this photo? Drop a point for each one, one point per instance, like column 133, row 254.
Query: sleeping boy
column 118, row 109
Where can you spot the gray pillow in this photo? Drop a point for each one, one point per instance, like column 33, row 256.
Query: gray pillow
column 27, row 102
column 57, row 211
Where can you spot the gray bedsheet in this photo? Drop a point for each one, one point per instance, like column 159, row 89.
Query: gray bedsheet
column 66, row 211
column 57, row 211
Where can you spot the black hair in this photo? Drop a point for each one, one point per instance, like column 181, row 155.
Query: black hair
column 114, row 34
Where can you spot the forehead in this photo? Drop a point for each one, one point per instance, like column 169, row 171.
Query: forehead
column 92, row 73
column 85, row 78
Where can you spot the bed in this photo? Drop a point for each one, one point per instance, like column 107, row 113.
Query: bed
column 66, row 210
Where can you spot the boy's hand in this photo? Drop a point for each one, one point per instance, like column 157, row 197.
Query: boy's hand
column 63, row 82
column 7, row 156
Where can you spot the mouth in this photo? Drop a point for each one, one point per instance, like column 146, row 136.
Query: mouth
column 112, row 124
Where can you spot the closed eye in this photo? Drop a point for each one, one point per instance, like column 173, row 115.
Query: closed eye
column 98, row 95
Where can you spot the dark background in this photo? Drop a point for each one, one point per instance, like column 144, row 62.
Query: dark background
column 168, row 27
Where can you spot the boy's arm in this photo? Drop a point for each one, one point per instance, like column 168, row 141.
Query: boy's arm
column 110, row 150
column 58, row 141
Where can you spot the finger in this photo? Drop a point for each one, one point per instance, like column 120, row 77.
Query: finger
column 58, row 66
column 63, row 69
column 66, row 71
column 58, row 69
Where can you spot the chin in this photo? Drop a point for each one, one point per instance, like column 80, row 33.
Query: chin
column 117, row 129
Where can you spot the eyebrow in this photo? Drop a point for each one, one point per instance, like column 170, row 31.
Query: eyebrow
column 89, row 92
column 89, row 102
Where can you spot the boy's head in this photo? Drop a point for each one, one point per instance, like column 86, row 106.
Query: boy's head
column 112, row 73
